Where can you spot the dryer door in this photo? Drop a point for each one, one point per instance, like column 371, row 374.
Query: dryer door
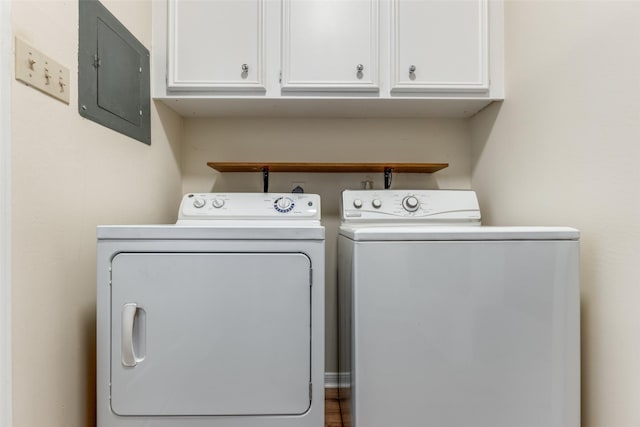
column 210, row 334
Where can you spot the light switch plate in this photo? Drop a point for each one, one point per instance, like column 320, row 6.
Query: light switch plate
column 41, row 72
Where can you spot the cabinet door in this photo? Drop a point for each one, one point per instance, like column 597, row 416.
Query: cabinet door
column 216, row 44
column 439, row 45
column 205, row 334
column 330, row 45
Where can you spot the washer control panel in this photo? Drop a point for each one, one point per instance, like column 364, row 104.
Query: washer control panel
column 265, row 206
column 448, row 206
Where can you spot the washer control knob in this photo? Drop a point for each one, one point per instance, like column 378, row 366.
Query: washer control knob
column 198, row 203
column 410, row 203
column 218, row 203
column 357, row 203
column 376, row 203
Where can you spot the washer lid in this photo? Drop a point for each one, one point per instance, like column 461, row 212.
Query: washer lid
column 406, row 232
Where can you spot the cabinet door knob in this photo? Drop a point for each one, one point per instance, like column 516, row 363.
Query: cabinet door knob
column 412, row 69
column 245, row 68
column 359, row 68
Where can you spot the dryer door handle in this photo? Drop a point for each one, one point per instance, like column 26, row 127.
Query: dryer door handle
column 128, row 318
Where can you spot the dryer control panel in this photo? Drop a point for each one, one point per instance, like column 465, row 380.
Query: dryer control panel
column 249, row 206
column 431, row 206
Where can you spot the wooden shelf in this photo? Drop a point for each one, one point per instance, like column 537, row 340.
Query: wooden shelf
column 327, row 167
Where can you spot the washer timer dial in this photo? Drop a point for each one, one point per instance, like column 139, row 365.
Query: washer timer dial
column 410, row 203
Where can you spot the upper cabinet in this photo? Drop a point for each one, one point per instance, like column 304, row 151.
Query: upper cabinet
column 330, row 45
column 216, row 45
column 440, row 45
column 355, row 58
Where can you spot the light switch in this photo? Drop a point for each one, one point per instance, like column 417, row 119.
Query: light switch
column 41, row 72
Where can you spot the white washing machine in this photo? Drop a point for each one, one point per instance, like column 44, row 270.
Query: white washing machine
column 217, row 321
column 447, row 323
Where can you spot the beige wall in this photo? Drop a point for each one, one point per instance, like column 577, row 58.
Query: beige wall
column 5, row 215
column 564, row 148
column 324, row 140
column 69, row 175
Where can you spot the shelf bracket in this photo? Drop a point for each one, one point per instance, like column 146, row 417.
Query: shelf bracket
column 388, row 175
column 265, row 179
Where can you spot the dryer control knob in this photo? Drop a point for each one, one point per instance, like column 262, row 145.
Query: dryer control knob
column 284, row 205
column 218, row 203
column 357, row 203
column 198, row 203
column 284, row 202
column 376, row 203
column 410, row 203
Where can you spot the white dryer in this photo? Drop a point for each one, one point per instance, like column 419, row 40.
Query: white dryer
column 447, row 323
column 216, row 321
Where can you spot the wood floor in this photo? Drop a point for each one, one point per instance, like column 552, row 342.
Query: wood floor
column 331, row 408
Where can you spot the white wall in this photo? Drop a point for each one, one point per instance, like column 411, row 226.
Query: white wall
column 324, row 140
column 564, row 148
column 68, row 175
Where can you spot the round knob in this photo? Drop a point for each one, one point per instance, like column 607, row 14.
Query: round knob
column 218, row 203
column 357, row 203
column 410, row 203
column 376, row 203
column 245, row 68
column 283, row 204
column 412, row 69
column 198, row 203
column 360, row 68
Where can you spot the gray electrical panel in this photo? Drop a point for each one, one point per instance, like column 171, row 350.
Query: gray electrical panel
column 113, row 74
